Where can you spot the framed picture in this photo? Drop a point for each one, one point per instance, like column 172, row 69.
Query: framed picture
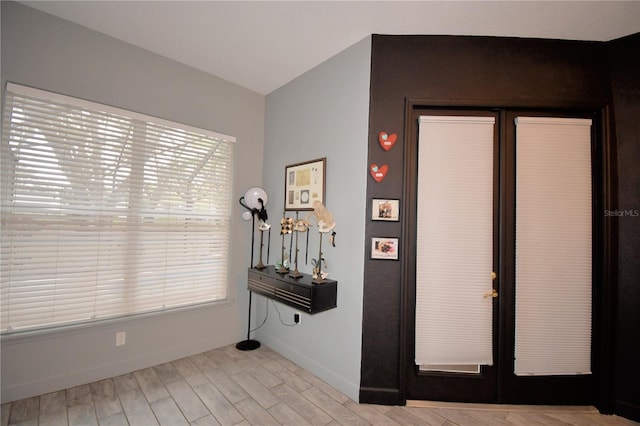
column 304, row 183
column 384, row 248
column 388, row 210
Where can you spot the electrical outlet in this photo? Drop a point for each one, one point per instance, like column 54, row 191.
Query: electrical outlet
column 296, row 318
column 121, row 338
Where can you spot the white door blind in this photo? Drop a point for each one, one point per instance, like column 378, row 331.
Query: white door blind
column 107, row 212
column 553, row 246
column 454, row 241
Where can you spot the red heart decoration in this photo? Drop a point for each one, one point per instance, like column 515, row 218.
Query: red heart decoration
column 378, row 172
column 387, row 141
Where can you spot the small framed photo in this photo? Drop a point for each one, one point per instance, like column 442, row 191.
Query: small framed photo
column 304, row 183
column 388, row 210
column 384, row 248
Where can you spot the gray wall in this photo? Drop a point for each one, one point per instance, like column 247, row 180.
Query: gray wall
column 42, row 51
column 323, row 113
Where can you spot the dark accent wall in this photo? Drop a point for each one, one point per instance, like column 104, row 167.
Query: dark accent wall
column 458, row 71
column 625, row 85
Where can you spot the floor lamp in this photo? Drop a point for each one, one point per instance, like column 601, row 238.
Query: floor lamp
column 254, row 200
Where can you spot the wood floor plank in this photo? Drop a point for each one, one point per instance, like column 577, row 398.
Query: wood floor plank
column 460, row 417
column 287, row 376
column 6, row 411
column 151, row 385
column 82, row 415
column 136, row 408
column 235, row 366
column 294, row 381
column 102, row 389
column 399, row 415
column 578, row 419
column 53, row 409
column 287, row 416
column 324, row 387
column 234, row 353
column 523, row 418
column 187, row 400
column 426, row 415
column 207, row 421
column 255, row 414
column 330, row 406
column 203, row 362
column 369, row 413
column 218, row 405
column 263, row 375
column 25, row 410
column 53, row 402
column 256, row 390
column 381, row 408
column 105, row 399
column 290, row 365
column 229, row 387
column 125, row 383
column 488, row 418
column 167, row 373
column 115, row 420
column 305, row 408
column 219, row 357
column 263, row 355
column 190, row 372
column 167, row 412
column 79, row 395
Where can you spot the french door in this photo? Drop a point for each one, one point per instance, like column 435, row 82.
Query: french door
column 498, row 280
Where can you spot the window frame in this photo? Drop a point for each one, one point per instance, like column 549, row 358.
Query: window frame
column 84, row 104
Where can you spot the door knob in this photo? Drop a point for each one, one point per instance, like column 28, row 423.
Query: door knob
column 493, row 294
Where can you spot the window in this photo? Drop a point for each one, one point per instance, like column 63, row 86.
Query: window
column 107, row 212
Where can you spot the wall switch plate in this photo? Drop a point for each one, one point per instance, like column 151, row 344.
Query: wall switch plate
column 121, row 338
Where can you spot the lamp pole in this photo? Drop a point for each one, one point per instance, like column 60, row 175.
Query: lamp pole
column 256, row 207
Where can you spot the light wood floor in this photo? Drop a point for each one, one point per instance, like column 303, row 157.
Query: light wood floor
column 229, row 387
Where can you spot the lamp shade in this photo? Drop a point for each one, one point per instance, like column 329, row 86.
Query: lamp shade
column 252, row 195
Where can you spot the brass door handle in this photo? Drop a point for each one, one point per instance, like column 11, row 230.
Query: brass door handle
column 494, row 294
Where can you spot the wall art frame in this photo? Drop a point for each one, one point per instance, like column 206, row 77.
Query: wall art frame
column 385, row 209
column 304, row 183
column 384, row 248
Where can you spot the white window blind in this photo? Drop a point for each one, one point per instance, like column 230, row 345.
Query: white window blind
column 454, row 241
column 107, row 212
column 553, row 246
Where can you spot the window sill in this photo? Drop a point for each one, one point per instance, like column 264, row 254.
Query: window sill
column 82, row 327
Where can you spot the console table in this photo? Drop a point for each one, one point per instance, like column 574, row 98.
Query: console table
column 300, row 293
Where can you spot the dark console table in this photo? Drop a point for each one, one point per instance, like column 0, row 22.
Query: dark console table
column 299, row 293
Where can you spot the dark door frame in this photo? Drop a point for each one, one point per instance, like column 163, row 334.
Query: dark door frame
column 479, row 388
column 605, row 237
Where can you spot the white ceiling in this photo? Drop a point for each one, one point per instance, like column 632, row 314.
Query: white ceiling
column 262, row 45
